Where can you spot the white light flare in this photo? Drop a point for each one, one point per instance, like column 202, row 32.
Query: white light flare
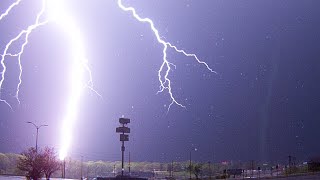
column 165, row 82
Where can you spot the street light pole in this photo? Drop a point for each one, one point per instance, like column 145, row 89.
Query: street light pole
column 37, row 139
column 209, row 170
column 37, row 127
column 81, row 167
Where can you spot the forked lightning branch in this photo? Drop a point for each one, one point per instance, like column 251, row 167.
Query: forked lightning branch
column 55, row 11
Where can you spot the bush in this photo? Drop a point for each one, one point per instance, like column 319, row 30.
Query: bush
column 36, row 164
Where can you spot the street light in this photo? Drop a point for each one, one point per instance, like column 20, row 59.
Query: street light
column 37, row 127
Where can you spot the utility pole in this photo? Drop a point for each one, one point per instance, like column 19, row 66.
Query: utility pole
column 64, row 169
column 251, row 168
column 290, row 163
column 81, row 167
column 122, row 159
column 171, row 168
column 87, row 172
column 190, row 165
column 61, row 169
column 209, row 170
column 129, row 164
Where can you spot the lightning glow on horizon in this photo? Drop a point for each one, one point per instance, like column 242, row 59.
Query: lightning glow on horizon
column 81, row 78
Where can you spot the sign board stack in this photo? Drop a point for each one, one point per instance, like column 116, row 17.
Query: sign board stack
column 124, row 136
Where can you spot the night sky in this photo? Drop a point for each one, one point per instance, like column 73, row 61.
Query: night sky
column 262, row 105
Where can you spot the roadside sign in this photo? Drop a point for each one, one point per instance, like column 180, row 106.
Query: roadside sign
column 123, row 130
column 124, row 120
column 124, row 137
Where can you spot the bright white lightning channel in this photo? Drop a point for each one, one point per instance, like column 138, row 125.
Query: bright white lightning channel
column 9, row 9
column 80, row 67
column 165, row 82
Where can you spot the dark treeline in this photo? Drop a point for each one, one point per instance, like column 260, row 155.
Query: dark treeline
column 74, row 168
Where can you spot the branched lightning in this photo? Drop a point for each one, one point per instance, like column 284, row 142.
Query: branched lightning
column 55, row 13
column 80, row 73
column 24, row 33
column 165, row 82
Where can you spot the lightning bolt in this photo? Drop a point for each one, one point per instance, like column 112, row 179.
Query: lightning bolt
column 24, row 33
column 9, row 9
column 80, row 73
column 57, row 14
column 165, row 82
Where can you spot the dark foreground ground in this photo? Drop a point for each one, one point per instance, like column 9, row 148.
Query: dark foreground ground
column 302, row 177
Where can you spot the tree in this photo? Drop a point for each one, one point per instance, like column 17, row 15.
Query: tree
column 196, row 169
column 37, row 164
column 32, row 162
column 4, row 163
column 8, row 164
column 51, row 164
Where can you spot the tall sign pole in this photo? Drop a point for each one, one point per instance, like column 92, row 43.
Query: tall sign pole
column 124, row 130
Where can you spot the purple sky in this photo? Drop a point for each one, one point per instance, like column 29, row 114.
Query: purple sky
column 262, row 105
